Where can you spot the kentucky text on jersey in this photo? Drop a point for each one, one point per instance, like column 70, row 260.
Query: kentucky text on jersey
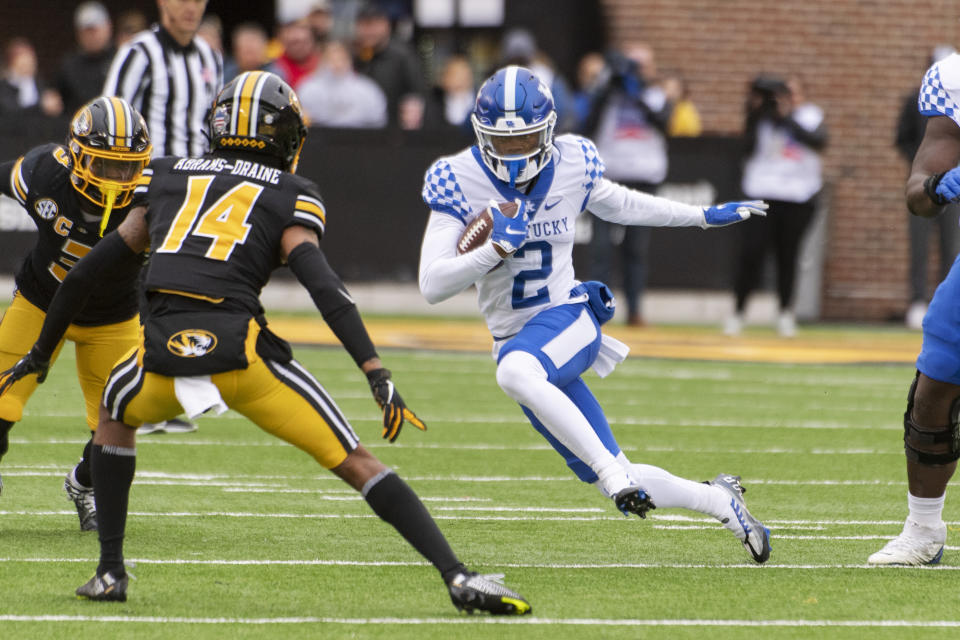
column 252, row 170
column 551, row 228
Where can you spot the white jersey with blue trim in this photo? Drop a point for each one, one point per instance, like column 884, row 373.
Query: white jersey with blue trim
column 540, row 274
column 940, row 90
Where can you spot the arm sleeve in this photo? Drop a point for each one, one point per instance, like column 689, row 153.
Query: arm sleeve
column 443, row 273
column 311, row 268
column 658, row 109
column 614, row 202
column 815, row 138
column 73, row 292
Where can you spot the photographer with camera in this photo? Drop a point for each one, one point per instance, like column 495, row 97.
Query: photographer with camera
column 784, row 137
column 628, row 123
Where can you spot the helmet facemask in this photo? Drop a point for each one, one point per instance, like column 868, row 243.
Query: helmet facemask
column 515, row 154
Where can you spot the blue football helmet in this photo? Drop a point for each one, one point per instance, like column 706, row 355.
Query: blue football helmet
column 514, row 119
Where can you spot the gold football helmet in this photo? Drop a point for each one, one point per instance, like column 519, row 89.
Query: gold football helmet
column 109, row 148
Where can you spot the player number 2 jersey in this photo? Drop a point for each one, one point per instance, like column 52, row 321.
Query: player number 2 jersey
column 540, row 274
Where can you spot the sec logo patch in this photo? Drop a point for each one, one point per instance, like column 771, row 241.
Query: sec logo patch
column 192, row 343
column 46, row 208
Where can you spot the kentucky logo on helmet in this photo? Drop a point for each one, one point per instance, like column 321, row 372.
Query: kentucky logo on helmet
column 46, row 208
column 192, row 343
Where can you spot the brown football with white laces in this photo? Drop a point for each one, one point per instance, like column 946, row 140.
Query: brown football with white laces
column 478, row 230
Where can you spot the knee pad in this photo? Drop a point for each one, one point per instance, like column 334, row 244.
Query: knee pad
column 931, row 446
column 514, row 372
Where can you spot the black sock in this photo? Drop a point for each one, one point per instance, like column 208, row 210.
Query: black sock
column 5, row 426
column 112, row 470
column 396, row 503
column 81, row 472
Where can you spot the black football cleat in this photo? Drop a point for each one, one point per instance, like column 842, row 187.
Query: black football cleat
column 104, row 588
column 474, row 592
column 633, row 500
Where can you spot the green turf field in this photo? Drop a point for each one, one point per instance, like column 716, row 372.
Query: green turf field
column 235, row 534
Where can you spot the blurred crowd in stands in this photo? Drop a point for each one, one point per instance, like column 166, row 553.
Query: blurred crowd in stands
column 353, row 64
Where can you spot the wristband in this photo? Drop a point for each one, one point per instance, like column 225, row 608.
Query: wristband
column 930, row 188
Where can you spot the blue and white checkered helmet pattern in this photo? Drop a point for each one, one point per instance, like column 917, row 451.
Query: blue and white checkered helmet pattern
column 512, row 103
column 934, row 99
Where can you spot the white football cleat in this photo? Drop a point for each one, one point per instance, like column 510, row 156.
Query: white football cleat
column 787, row 325
column 915, row 546
column 750, row 531
column 733, row 325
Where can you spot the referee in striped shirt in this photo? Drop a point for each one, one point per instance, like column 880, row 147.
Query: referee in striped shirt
column 172, row 77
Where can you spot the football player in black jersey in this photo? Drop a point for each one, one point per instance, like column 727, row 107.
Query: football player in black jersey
column 75, row 192
column 217, row 226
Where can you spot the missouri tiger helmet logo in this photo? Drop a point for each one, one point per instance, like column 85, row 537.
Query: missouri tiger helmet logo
column 83, row 122
column 192, row 343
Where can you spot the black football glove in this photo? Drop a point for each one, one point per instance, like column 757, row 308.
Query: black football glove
column 388, row 399
column 30, row 363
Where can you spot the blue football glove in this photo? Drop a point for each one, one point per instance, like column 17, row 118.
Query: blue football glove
column 509, row 234
column 948, row 187
column 720, row 215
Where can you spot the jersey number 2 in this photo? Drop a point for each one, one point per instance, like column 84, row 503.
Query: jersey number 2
column 541, row 295
column 224, row 222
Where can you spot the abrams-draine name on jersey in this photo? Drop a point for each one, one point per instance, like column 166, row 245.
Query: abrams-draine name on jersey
column 253, row 170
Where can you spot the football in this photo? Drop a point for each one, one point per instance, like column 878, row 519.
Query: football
column 478, row 230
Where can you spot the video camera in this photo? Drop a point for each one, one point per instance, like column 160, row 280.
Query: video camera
column 624, row 71
column 768, row 87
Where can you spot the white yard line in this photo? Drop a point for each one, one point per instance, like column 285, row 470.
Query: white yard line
column 537, row 513
column 532, row 621
column 133, row 562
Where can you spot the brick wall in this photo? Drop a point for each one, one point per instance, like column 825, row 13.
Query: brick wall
column 858, row 59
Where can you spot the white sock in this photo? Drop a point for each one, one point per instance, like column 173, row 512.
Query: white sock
column 669, row 491
column 926, row 511
column 524, row 379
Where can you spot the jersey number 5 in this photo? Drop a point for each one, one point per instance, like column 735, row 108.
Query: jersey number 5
column 70, row 252
column 224, row 222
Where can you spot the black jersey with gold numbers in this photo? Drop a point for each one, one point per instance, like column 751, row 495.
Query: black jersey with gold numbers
column 216, row 222
column 40, row 181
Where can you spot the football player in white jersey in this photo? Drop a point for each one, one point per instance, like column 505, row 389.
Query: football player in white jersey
column 931, row 434
column 546, row 324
